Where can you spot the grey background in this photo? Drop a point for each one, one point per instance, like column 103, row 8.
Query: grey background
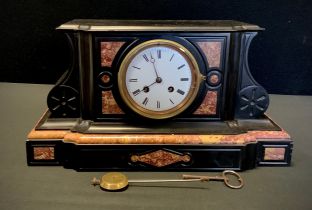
column 23, row 187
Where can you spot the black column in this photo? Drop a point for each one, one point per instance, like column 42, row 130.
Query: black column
column 86, row 75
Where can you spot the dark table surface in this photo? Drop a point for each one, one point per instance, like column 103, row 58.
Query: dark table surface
column 23, row 187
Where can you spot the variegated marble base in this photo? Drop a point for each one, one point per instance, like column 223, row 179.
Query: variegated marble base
column 153, row 151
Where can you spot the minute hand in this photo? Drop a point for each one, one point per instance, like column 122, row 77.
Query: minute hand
column 153, row 62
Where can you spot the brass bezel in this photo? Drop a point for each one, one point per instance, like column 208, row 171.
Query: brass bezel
column 197, row 78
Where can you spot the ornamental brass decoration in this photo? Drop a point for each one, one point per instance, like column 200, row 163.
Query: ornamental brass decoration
column 160, row 158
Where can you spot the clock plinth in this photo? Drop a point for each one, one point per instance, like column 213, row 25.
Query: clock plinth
column 178, row 146
column 158, row 95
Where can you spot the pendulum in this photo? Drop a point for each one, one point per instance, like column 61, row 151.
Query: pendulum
column 116, row 181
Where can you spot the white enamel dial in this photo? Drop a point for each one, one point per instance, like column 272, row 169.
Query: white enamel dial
column 158, row 80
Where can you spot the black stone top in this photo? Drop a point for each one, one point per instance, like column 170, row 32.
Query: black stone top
column 158, row 25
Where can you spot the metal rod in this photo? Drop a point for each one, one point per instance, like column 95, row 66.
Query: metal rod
column 162, row 180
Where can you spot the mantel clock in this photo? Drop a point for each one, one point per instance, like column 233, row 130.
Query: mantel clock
column 158, row 95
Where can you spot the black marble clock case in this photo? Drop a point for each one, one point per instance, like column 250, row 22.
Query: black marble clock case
column 75, row 102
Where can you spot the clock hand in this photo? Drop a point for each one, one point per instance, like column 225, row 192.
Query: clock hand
column 146, row 88
column 153, row 62
column 151, row 84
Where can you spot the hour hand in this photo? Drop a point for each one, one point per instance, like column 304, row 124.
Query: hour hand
column 147, row 88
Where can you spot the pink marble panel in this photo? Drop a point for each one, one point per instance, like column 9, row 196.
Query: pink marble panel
column 209, row 104
column 212, row 51
column 274, row 153
column 109, row 105
column 108, row 52
column 43, row 153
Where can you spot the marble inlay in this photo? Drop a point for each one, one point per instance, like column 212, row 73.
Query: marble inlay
column 160, row 158
column 43, row 153
column 276, row 153
column 108, row 52
column 212, row 51
column 209, row 104
column 109, row 105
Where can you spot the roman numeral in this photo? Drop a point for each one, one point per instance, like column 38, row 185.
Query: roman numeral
column 184, row 79
column 180, row 67
column 145, row 101
column 158, row 104
column 133, row 80
column 171, row 57
column 145, row 57
column 180, row 92
column 136, row 92
column 159, row 54
column 171, row 101
column 136, row 67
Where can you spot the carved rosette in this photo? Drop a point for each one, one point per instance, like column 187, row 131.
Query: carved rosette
column 253, row 101
column 63, row 101
column 160, row 158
